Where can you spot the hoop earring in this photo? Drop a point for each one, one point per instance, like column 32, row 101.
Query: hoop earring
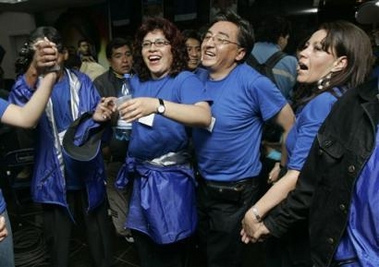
column 324, row 82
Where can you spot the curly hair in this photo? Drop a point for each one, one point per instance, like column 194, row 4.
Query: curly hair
column 172, row 34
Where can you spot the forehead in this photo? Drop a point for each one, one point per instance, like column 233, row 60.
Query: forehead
column 224, row 28
column 121, row 49
column 192, row 42
column 318, row 36
column 154, row 35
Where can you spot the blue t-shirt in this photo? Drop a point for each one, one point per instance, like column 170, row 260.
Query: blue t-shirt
column 166, row 135
column 241, row 103
column 361, row 236
column 308, row 122
column 201, row 73
column 3, row 106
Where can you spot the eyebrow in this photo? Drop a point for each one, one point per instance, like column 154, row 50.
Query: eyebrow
column 220, row 33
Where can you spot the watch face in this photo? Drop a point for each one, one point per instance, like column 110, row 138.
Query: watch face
column 161, row 109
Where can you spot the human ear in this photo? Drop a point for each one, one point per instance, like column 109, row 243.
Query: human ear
column 339, row 64
column 241, row 54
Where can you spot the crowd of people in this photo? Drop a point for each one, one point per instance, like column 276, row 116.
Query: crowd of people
column 191, row 172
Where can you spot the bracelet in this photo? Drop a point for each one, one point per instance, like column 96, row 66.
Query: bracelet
column 256, row 214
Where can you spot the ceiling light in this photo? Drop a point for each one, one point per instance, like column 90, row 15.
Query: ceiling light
column 12, row 1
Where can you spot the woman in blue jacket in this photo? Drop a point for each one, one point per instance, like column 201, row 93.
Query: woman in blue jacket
column 27, row 117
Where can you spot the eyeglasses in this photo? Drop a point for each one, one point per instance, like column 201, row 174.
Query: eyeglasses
column 218, row 39
column 157, row 43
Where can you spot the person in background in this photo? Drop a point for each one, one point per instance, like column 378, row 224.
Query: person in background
column 271, row 36
column 228, row 151
column 67, row 196
column 120, row 57
column 166, row 100
column 193, row 44
column 331, row 67
column 45, row 57
column 85, row 51
column 89, row 64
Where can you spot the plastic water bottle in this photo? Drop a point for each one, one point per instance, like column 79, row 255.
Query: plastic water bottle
column 123, row 129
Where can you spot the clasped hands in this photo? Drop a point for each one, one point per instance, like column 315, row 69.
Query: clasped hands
column 252, row 229
column 130, row 110
column 45, row 58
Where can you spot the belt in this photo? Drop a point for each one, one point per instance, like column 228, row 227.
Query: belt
column 235, row 185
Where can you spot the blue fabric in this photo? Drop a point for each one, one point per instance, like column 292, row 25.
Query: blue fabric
column 361, row 236
column 48, row 184
column 201, row 73
column 274, row 155
column 163, row 198
column 165, row 135
column 308, row 121
column 241, row 103
column 285, row 72
column 3, row 106
column 6, row 246
column 163, row 203
column 61, row 97
column 2, row 202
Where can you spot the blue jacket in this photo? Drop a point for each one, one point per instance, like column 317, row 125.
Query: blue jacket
column 49, row 184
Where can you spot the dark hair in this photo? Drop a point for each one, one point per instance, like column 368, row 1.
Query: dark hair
column 344, row 38
column 271, row 28
column 347, row 39
column 117, row 43
column 246, row 33
column 84, row 40
column 172, row 34
column 26, row 53
column 190, row 33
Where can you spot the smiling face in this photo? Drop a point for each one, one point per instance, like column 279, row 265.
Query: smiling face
column 194, row 53
column 220, row 52
column 314, row 62
column 157, row 59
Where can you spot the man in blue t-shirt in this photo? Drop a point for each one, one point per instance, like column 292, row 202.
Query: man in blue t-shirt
column 228, row 150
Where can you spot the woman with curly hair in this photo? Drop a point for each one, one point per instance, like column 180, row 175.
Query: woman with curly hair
column 166, row 99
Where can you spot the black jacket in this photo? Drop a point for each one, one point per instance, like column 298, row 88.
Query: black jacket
column 107, row 84
column 343, row 145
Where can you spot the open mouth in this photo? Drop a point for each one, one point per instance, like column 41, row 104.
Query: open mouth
column 302, row 66
column 154, row 59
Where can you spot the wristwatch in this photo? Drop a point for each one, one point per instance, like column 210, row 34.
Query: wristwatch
column 161, row 108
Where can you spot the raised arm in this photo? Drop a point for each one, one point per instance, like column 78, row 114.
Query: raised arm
column 27, row 116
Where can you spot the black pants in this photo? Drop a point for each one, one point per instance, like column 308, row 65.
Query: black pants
column 58, row 227
column 152, row 254
column 220, row 214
